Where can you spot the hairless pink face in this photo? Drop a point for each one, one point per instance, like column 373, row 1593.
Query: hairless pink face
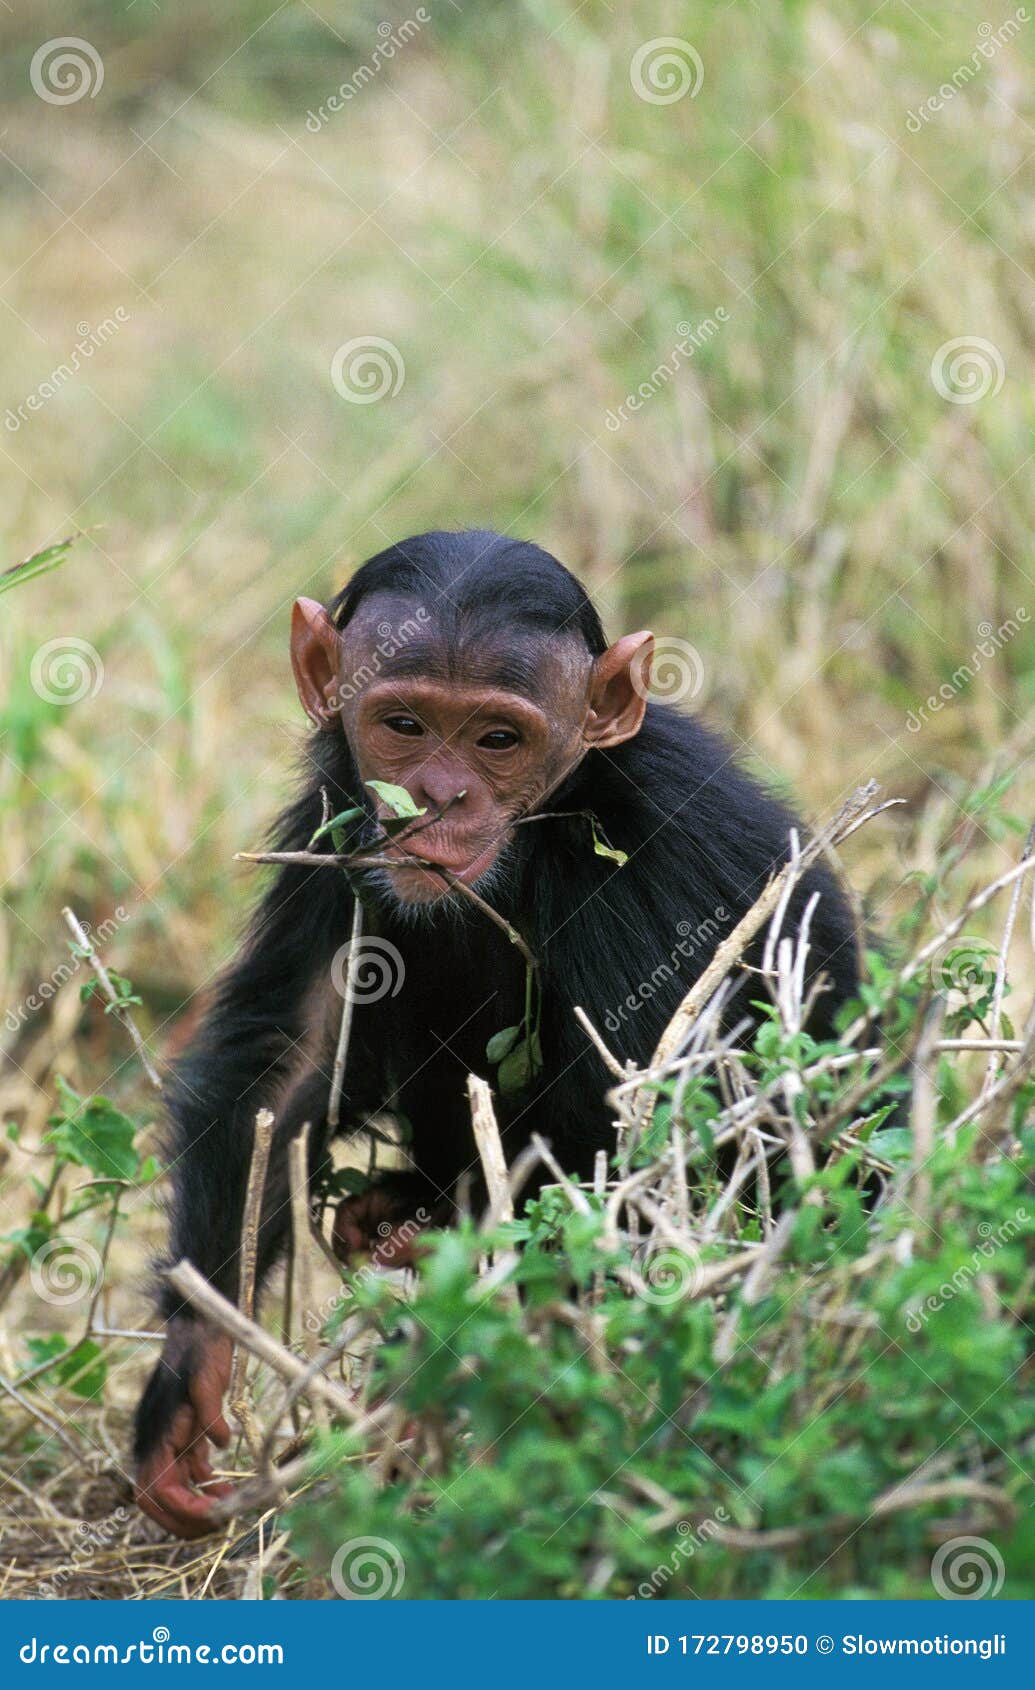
column 481, row 736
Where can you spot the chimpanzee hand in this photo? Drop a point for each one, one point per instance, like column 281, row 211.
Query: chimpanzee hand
column 181, row 1409
column 387, row 1221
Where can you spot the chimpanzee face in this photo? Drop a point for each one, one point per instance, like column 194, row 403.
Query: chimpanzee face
column 478, row 734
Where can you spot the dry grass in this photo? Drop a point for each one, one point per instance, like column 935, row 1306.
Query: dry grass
column 800, row 503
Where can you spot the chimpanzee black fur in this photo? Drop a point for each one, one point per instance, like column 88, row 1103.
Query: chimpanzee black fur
column 702, row 839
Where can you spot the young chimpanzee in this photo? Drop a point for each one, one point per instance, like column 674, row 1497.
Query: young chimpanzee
column 472, row 671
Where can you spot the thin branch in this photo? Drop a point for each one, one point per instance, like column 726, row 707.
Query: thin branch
column 119, row 1009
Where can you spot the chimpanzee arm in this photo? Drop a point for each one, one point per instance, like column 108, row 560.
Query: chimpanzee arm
column 251, row 1052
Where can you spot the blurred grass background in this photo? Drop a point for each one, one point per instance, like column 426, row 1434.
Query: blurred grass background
column 798, row 501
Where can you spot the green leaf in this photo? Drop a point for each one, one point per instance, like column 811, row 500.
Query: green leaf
column 83, row 1369
column 396, row 797
column 335, row 823
column 502, row 1043
column 520, row 1067
column 38, row 564
column 92, row 1133
column 602, row 848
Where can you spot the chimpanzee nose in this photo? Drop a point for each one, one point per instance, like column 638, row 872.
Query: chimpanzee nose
column 442, row 780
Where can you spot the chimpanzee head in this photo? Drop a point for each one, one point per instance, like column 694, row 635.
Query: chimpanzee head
column 472, row 670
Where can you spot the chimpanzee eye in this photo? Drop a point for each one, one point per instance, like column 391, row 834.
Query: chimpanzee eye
column 404, row 725
column 499, row 739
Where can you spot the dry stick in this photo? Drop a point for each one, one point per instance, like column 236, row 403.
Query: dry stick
column 345, row 1030
column 301, row 1235
column 996, row 1017
column 490, row 1150
column 931, row 949
column 249, row 1262
column 924, row 1114
column 317, row 859
column 37, row 1413
column 120, row 1009
column 607, row 1057
column 844, row 823
column 247, row 1335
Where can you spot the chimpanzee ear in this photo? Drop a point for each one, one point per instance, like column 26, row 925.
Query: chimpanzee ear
column 314, row 659
column 618, row 691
